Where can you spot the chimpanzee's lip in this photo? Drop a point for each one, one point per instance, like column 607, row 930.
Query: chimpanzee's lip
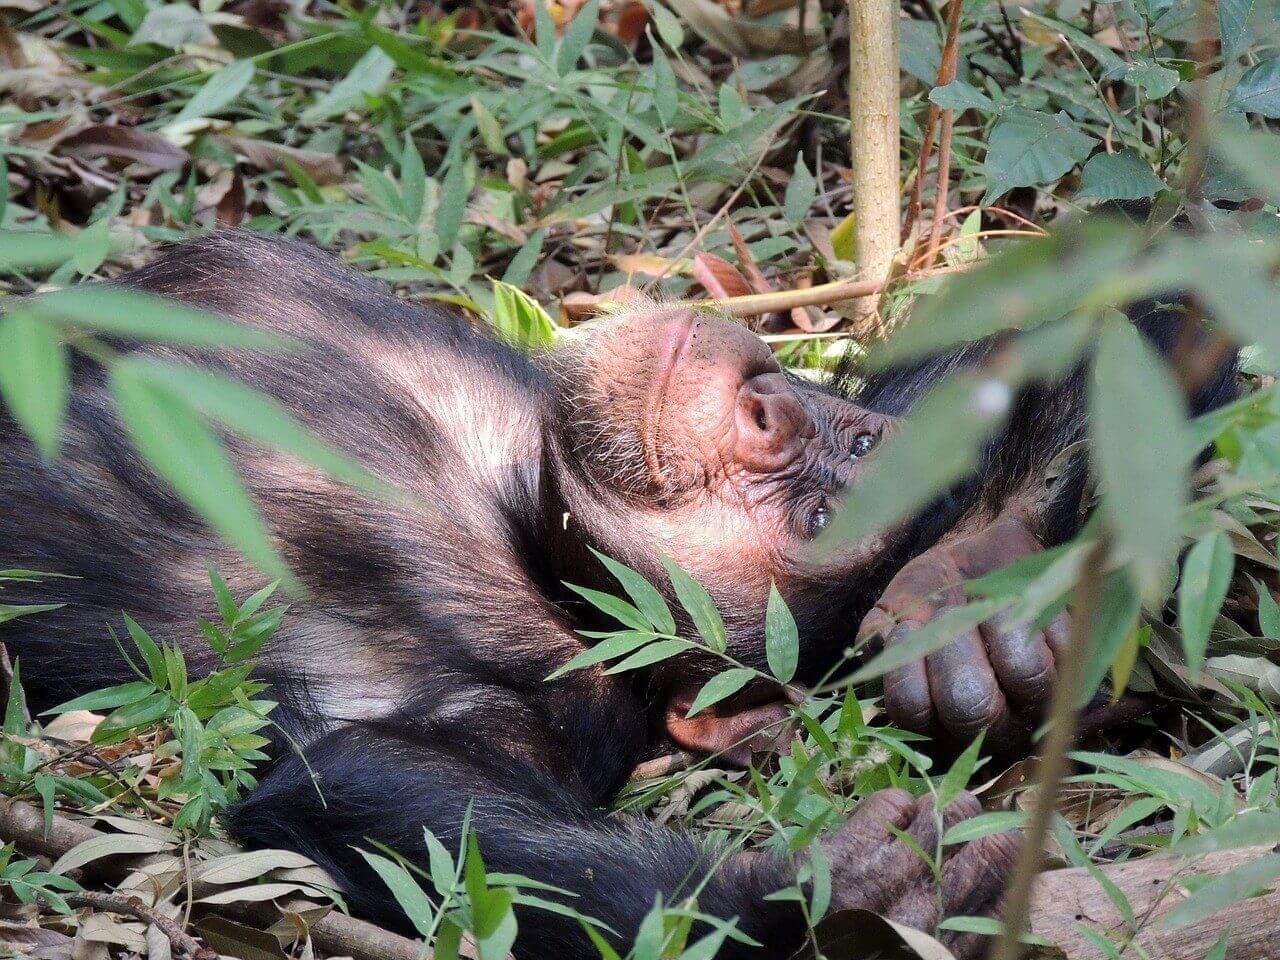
column 671, row 348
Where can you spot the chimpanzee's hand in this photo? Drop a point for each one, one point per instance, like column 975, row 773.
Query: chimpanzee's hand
column 873, row 869
column 997, row 676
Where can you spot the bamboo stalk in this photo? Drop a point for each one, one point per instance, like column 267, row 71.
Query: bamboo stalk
column 873, row 113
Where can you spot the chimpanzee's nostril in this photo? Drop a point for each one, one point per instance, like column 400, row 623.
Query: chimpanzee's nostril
column 761, row 420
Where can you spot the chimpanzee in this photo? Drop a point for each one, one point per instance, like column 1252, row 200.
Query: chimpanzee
column 414, row 670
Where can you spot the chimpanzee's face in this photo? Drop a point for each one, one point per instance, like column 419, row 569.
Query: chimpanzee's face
column 727, row 464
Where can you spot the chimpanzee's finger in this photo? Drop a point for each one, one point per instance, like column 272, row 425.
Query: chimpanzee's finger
column 973, row 880
column 870, row 868
column 878, row 623
column 1022, row 661
column 965, row 693
column 917, row 908
column 1057, row 634
column 907, row 698
column 964, row 945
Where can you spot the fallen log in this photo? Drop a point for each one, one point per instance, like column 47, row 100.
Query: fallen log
column 1066, row 902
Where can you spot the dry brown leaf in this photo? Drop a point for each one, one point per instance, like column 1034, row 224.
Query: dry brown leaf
column 323, row 168
column 719, row 277
column 123, row 144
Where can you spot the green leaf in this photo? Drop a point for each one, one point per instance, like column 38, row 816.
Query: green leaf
column 15, row 709
column 35, row 249
column 1233, row 25
column 405, row 889
column 1259, row 89
column 108, row 698
column 1118, row 176
column 1028, row 148
column 984, row 825
column 958, row 95
column 1268, row 612
column 369, row 75
column 699, row 605
column 1246, row 880
column 143, row 316
column 719, row 687
column 519, row 319
column 961, row 772
column 521, row 265
column 615, row 607
column 34, row 378
column 668, row 25
column 609, row 648
column 935, row 634
column 413, row 180
column 218, row 92
column 1024, row 285
column 150, row 651
column 781, row 637
column 647, row 598
column 802, row 191
column 577, row 36
column 1254, row 828
column 655, row 652
column 183, row 450
column 454, row 193
column 938, row 445
column 1144, row 484
column 1117, row 614
column 131, row 716
column 257, row 416
column 544, row 29
column 666, row 95
column 1152, row 79
column 1206, row 575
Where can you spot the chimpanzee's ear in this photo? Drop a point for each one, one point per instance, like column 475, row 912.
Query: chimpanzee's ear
column 752, row 721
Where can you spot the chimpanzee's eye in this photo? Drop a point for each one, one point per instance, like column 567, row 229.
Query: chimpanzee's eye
column 863, row 443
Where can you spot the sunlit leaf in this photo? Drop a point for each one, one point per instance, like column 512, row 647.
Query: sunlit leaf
column 183, row 450
column 719, row 687
column 1206, row 575
column 218, row 92
column 133, row 314
column 647, row 598
column 1029, row 148
column 34, row 378
column 939, row 444
column 699, row 605
column 1222, row 891
column 1132, row 395
column 781, row 637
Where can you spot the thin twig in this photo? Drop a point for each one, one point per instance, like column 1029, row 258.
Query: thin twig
column 182, row 941
column 946, row 74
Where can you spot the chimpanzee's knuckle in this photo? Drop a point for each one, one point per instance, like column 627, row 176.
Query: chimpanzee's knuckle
column 966, row 709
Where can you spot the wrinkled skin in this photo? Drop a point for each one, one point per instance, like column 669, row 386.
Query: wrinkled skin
column 997, row 677
column 874, row 869
column 719, row 459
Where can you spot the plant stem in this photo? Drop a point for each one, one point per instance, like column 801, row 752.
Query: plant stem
column 1053, row 765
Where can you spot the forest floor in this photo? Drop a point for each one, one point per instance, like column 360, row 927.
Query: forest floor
column 691, row 149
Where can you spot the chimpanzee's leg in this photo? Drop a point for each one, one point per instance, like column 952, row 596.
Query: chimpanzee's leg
column 386, row 782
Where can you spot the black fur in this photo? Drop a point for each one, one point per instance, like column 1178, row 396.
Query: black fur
column 414, row 670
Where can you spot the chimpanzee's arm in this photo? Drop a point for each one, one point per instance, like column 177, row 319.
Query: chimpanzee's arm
column 387, row 781
column 996, row 676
